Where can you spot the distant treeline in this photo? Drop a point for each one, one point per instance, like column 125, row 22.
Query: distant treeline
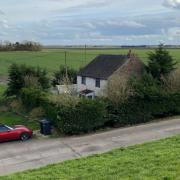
column 21, row 46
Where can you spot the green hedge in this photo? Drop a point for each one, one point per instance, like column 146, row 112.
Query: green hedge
column 86, row 116
column 140, row 109
column 51, row 111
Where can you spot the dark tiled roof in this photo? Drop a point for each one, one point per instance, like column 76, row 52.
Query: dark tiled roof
column 103, row 66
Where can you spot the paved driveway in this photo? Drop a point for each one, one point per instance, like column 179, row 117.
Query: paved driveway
column 18, row 156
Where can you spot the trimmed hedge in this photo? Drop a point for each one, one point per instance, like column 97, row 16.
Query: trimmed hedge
column 89, row 115
column 140, row 109
column 84, row 117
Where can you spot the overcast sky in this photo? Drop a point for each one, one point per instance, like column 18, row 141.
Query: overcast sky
column 96, row 22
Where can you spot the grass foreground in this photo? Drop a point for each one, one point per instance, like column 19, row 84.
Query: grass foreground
column 155, row 160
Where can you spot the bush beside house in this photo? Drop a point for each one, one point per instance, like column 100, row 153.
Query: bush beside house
column 86, row 116
column 73, row 115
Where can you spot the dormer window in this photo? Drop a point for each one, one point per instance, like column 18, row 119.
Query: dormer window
column 98, row 83
column 83, row 80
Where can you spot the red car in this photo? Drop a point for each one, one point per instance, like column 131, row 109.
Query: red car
column 19, row 132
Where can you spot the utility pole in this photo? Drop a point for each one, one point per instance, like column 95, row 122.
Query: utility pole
column 65, row 58
column 85, row 53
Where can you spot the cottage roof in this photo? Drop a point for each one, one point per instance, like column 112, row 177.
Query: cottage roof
column 103, row 66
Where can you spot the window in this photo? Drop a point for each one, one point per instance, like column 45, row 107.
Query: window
column 83, row 80
column 90, row 97
column 3, row 128
column 98, row 83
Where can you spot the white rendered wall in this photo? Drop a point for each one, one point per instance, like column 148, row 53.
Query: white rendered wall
column 91, row 85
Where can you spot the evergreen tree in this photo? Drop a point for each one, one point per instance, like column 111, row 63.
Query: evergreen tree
column 161, row 63
column 61, row 74
column 21, row 76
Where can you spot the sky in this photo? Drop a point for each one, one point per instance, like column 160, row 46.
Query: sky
column 91, row 22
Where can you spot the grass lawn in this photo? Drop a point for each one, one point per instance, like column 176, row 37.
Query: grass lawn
column 2, row 90
column 156, row 160
column 51, row 59
column 12, row 119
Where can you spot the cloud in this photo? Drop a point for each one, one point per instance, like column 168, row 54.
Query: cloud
column 90, row 21
column 4, row 23
column 1, row 12
column 172, row 3
column 126, row 23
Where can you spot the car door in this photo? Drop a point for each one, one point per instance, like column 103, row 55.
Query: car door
column 6, row 133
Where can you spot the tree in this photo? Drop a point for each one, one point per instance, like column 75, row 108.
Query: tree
column 61, row 74
column 20, row 46
column 118, row 88
column 21, row 76
column 161, row 63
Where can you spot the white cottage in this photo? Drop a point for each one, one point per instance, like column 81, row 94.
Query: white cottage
column 92, row 79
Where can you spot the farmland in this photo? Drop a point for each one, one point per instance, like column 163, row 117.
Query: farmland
column 51, row 59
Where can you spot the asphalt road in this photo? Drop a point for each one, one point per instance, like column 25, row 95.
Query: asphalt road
column 19, row 156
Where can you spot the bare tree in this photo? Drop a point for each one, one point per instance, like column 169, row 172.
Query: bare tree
column 118, row 88
column 172, row 82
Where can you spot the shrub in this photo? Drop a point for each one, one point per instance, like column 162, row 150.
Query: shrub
column 172, row 82
column 15, row 105
column 32, row 97
column 145, row 86
column 87, row 115
column 133, row 111
column 36, row 113
column 148, row 101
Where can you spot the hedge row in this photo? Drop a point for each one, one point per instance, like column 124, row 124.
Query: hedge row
column 84, row 117
column 139, row 109
column 88, row 115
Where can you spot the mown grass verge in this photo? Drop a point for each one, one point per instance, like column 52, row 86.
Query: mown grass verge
column 156, row 160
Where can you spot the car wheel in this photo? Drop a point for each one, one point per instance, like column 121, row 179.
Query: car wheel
column 24, row 136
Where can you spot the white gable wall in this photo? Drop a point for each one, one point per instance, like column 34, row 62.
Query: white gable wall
column 91, row 85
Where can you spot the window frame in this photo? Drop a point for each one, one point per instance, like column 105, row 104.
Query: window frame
column 98, row 82
column 83, row 80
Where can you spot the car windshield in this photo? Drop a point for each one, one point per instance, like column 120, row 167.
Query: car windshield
column 10, row 128
column 4, row 128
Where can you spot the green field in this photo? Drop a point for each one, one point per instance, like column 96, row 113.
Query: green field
column 51, row 59
column 151, row 161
